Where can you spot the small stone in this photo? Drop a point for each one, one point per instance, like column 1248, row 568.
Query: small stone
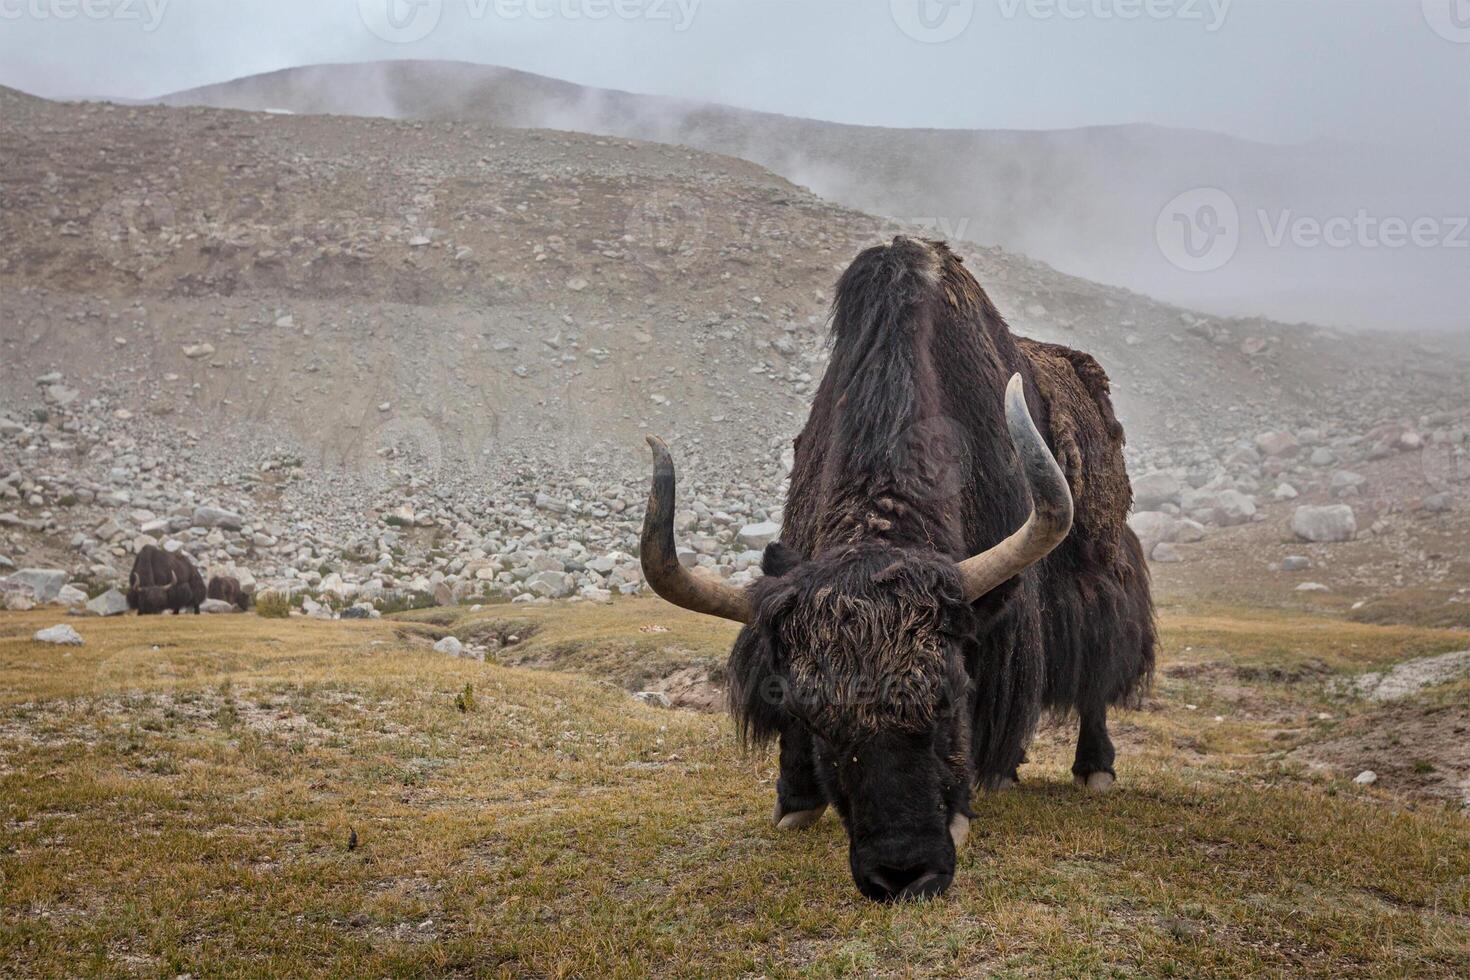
column 110, row 603
column 1324, row 524
column 449, row 645
column 1366, row 778
column 656, row 699
column 1437, row 503
column 62, row 635
column 217, row 517
column 1167, row 552
column 757, row 536
column 1295, row 563
column 1153, row 490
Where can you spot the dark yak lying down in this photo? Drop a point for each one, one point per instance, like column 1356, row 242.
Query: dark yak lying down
column 226, row 588
column 160, row 580
column 945, row 571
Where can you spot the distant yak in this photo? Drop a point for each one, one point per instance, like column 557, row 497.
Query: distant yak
column 161, row 580
column 226, row 588
column 954, row 559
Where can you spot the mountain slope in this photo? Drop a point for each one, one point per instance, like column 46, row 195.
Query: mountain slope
column 510, row 290
column 1083, row 200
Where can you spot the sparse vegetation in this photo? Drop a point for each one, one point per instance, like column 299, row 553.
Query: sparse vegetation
column 465, row 700
column 214, row 767
column 273, row 605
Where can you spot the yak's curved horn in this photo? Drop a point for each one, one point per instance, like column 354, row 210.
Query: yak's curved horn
column 132, row 580
column 661, row 567
column 1051, row 506
column 173, row 577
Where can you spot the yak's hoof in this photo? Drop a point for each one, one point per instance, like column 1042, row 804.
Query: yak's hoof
column 797, row 819
column 1097, row 782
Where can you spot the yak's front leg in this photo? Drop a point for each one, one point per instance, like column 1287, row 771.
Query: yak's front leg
column 1093, row 767
column 800, row 800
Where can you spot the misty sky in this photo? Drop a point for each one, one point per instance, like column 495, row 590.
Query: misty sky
column 1283, row 70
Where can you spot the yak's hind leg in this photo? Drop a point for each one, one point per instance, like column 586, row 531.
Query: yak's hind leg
column 800, row 799
column 1093, row 765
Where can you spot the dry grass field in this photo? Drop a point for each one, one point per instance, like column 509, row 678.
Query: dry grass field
column 241, row 796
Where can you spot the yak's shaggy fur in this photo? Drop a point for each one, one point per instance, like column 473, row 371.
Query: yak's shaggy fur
column 905, row 466
column 162, row 581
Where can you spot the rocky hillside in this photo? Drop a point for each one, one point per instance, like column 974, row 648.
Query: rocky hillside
column 1084, row 200
column 411, row 352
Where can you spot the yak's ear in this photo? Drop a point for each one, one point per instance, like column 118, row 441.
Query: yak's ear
column 778, row 560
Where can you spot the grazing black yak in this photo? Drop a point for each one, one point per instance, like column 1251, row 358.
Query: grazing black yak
column 161, row 580
column 226, row 588
column 931, row 592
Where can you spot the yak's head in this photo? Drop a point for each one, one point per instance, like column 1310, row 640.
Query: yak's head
column 862, row 647
column 150, row 600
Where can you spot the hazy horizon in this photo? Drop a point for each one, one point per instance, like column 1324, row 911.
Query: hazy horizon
column 1283, row 73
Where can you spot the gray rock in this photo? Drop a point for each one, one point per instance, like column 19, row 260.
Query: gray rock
column 1153, row 490
column 1277, row 443
column 1295, row 563
column 217, row 607
column 62, row 635
column 657, row 699
column 449, row 645
column 45, row 583
column 551, row 504
column 551, row 585
column 1324, row 524
column 1153, row 527
column 1166, row 552
column 757, row 536
column 110, row 603
column 1412, row 676
column 1322, row 456
column 1437, row 503
column 1366, row 778
column 61, row 395
column 217, row 517
column 1233, row 507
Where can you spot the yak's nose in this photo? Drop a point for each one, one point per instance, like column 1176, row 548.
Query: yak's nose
column 918, row 882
